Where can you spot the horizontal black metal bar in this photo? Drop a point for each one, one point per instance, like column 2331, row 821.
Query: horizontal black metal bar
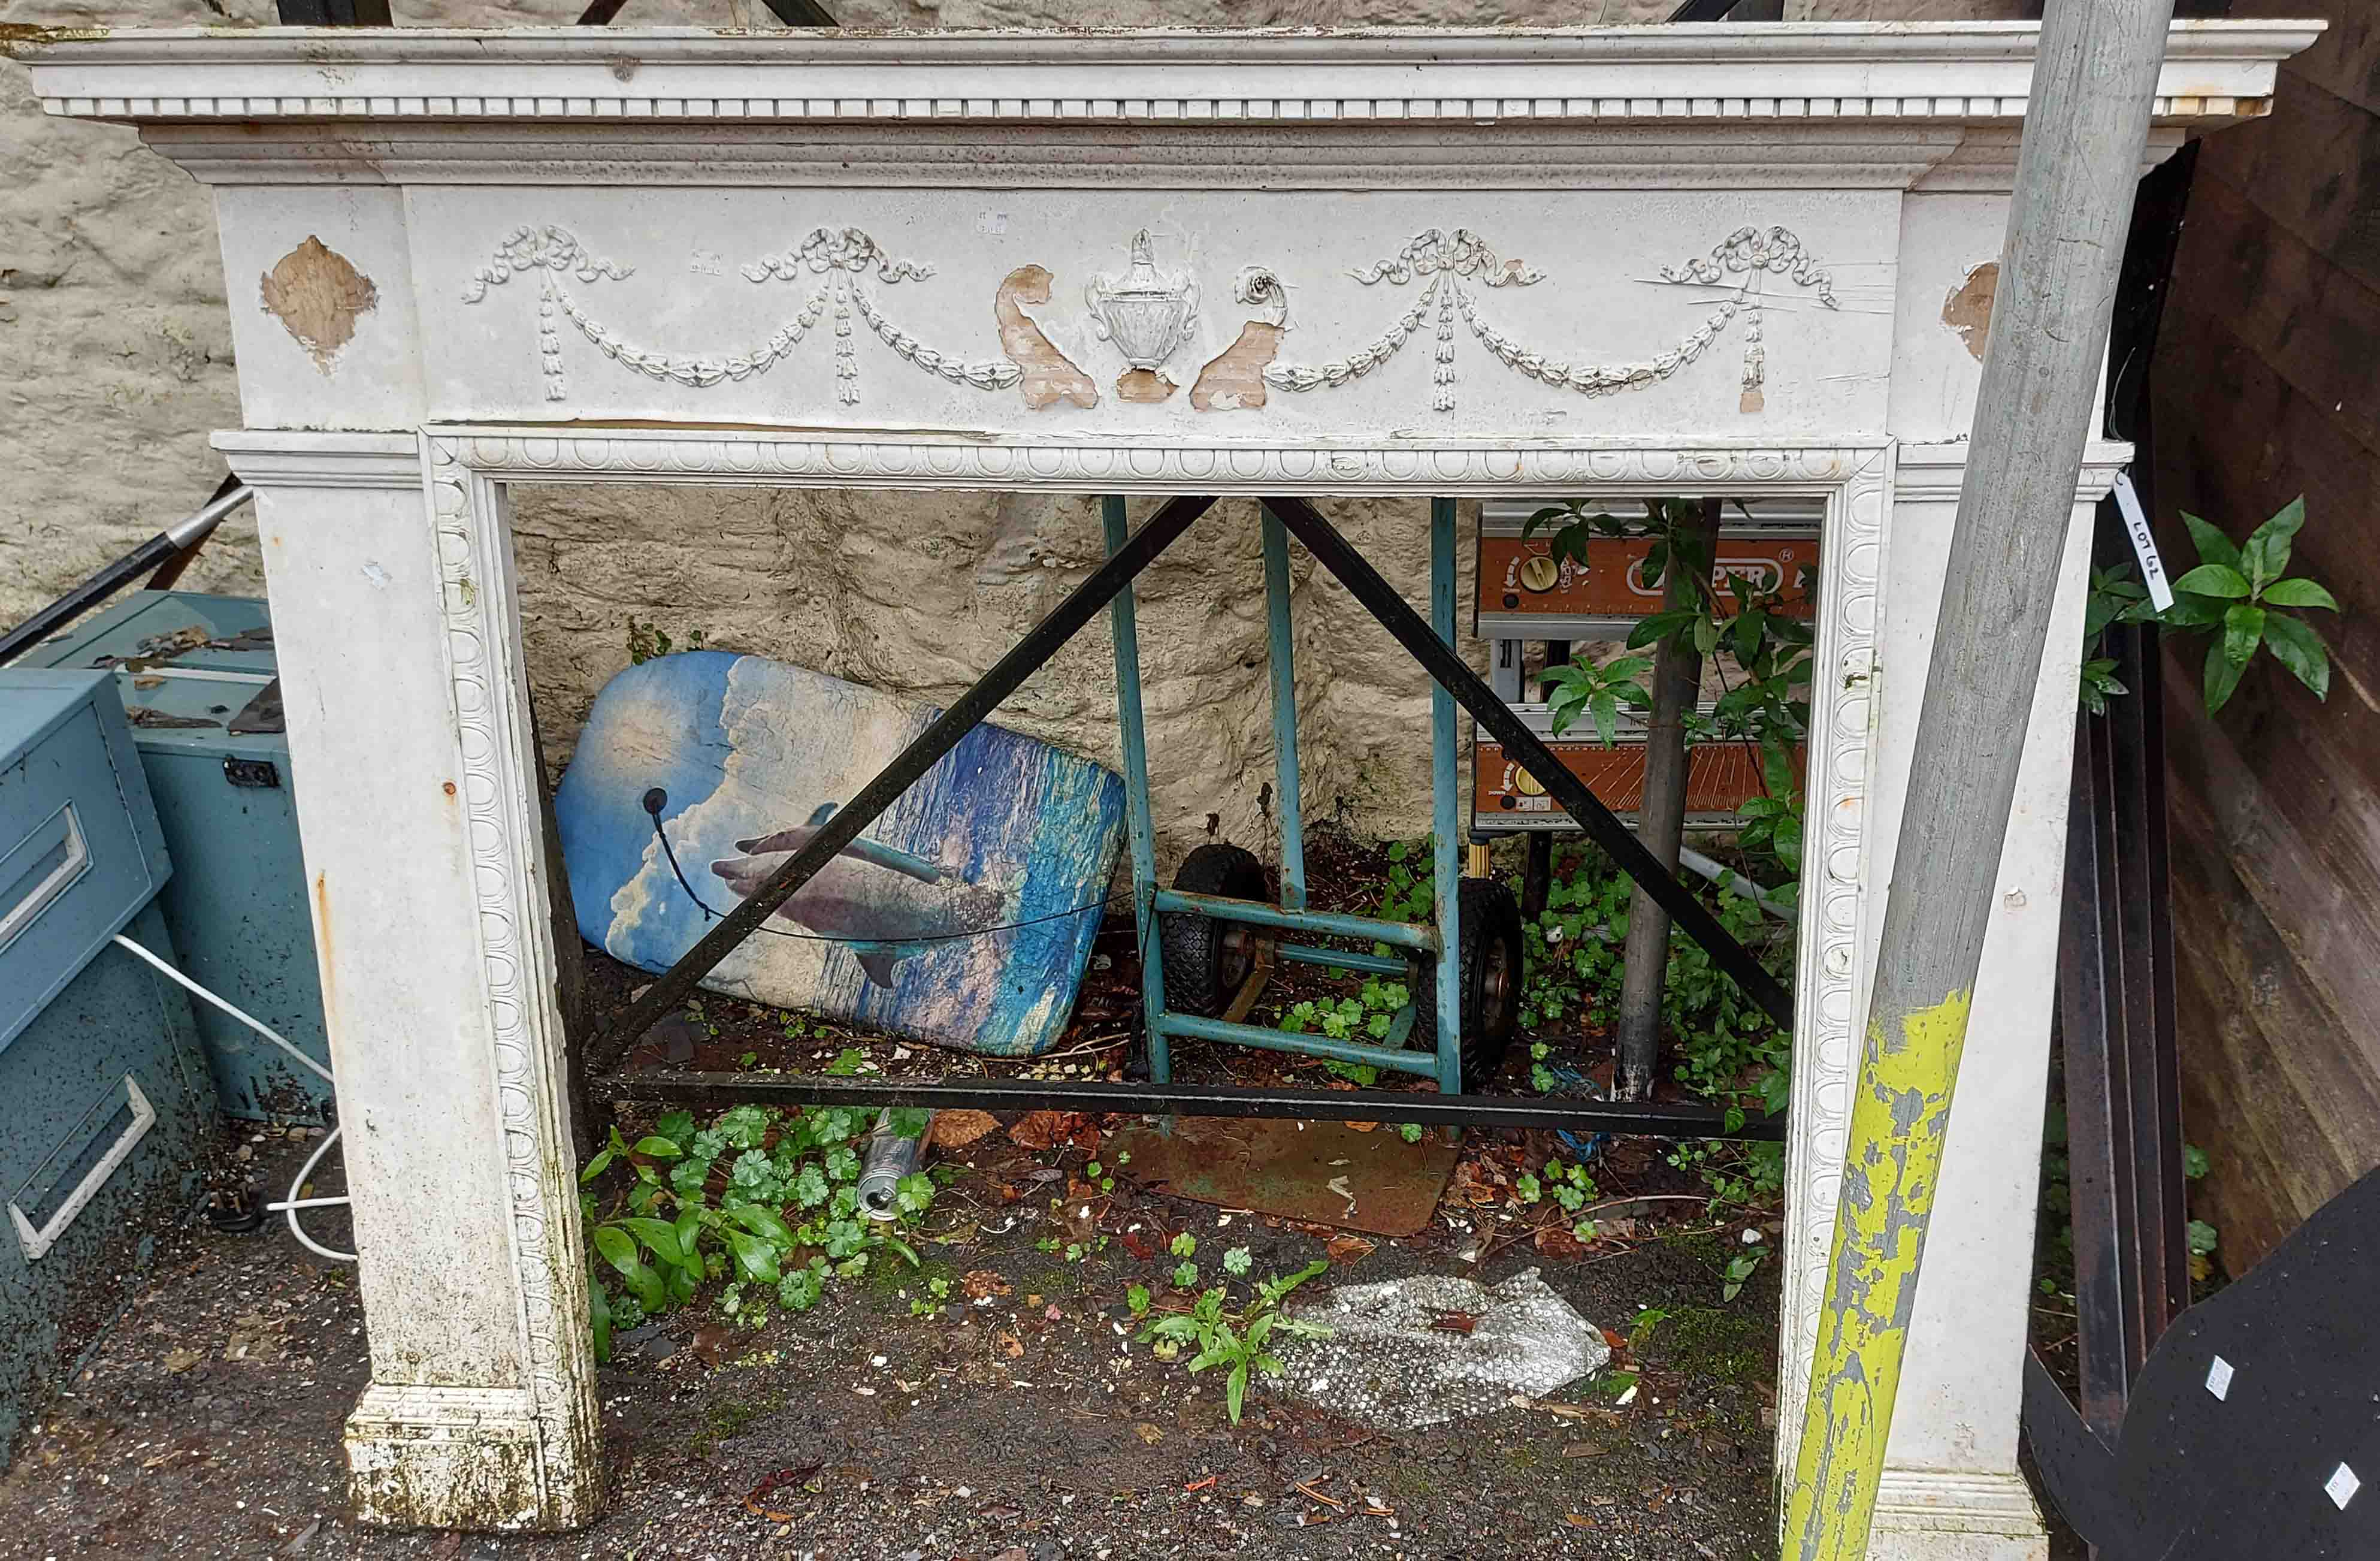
column 1437, row 658
column 966, row 713
column 1638, row 1120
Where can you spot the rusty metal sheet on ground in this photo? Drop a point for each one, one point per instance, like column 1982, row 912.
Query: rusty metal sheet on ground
column 1326, row 1172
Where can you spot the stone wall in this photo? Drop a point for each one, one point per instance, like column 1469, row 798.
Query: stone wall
column 116, row 365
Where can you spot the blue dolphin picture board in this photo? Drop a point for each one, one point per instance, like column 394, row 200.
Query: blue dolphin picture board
column 963, row 917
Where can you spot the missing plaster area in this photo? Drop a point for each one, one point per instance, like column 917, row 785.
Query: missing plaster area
column 1049, row 375
column 1968, row 309
column 318, row 296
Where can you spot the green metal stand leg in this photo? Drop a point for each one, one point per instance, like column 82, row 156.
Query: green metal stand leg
column 1282, row 650
column 1445, row 808
column 1135, row 801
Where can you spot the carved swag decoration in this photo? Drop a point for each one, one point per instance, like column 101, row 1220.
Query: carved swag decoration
column 1147, row 316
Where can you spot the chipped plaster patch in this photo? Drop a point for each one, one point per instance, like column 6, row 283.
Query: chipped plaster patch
column 1968, row 309
column 317, row 295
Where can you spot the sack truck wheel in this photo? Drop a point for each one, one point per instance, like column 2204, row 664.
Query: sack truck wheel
column 1205, row 960
column 1490, row 981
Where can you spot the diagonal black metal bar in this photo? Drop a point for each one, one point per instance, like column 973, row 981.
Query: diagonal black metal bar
column 967, row 711
column 1437, row 658
column 802, row 13
column 1640, row 1119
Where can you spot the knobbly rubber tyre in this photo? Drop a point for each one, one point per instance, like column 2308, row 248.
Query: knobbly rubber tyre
column 1202, row 967
column 1490, row 967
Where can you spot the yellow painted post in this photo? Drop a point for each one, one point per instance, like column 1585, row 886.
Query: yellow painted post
column 1899, row 1115
column 2086, row 122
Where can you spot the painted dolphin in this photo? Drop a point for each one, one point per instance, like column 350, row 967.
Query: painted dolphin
column 883, row 903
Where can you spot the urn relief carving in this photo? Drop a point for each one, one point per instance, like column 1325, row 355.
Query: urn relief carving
column 1148, row 315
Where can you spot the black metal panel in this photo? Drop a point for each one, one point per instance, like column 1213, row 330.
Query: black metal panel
column 2251, row 1431
column 2116, row 991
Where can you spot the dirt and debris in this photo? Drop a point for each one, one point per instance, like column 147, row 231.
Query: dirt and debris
column 1008, row 1413
column 1022, row 1419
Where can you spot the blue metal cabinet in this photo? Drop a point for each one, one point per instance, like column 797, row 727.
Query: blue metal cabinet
column 79, row 846
column 196, row 673
column 105, row 1103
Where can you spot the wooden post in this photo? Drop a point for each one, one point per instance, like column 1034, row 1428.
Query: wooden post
column 1661, row 814
column 2085, row 127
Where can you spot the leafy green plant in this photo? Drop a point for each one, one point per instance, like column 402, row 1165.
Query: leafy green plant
column 2241, row 592
column 785, row 1219
column 2115, row 597
column 1366, row 1016
column 1598, row 690
column 1569, row 1187
column 1726, row 1046
column 1766, row 705
column 1409, row 892
column 2202, row 1241
column 2202, row 1237
column 2244, row 591
column 1236, row 1340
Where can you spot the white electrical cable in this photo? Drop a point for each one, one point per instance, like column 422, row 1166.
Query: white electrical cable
column 290, row 1206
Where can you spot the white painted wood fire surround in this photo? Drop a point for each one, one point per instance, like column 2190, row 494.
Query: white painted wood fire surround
column 1701, row 260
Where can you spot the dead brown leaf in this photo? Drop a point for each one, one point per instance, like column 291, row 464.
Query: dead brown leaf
column 1474, row 1185
column 1583, row 1450
column 1043, row 1130
column 1557, row 1242
column 1348, row 1248
column 956, row 1130
column 1011, row 1346
column 1148, row 1434
column 1036, row 1129
column 1361, row 1127
column 182, row 1360
column 977, row 1283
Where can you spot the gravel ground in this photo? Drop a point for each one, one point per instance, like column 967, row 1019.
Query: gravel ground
column 207, row 1425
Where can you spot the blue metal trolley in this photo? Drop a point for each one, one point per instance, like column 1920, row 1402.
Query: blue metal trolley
column 1204, row 952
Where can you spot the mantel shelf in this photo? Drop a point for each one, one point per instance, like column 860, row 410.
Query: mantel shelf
column 1959, row 72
